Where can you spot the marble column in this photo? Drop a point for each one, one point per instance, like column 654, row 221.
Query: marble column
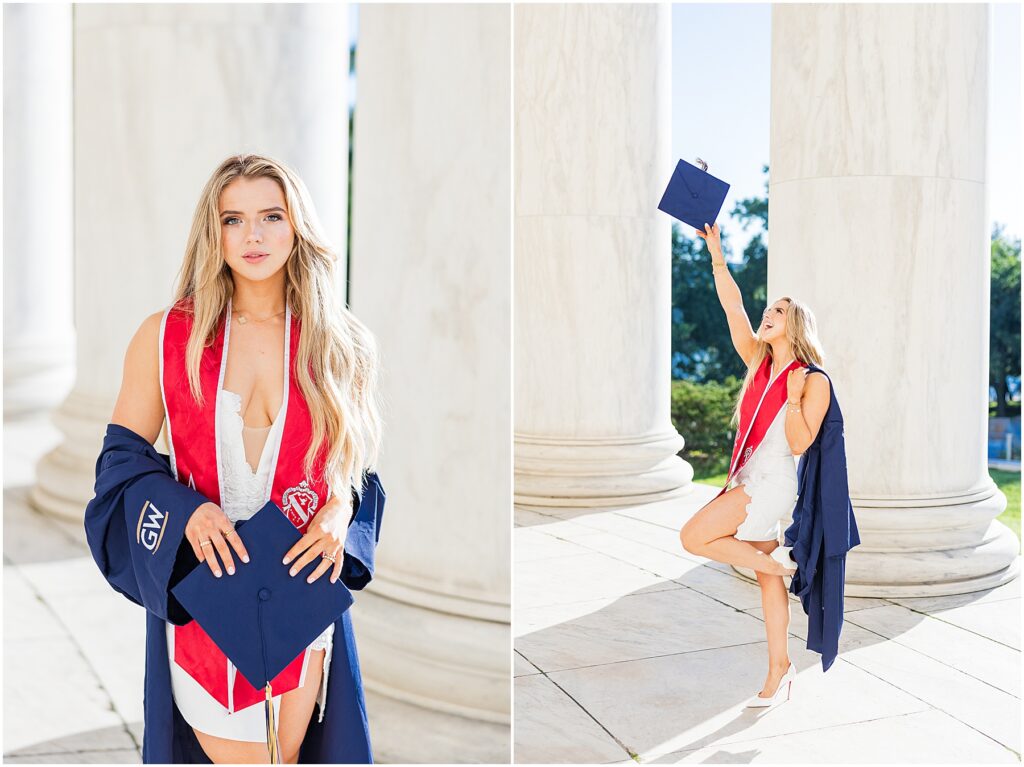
column 162, row 94
column 592, row 257
column 879, row 221
column 39, row 339
column 430, row 277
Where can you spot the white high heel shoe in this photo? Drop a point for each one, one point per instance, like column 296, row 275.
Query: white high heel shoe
column 782, row 692
column 781, row 555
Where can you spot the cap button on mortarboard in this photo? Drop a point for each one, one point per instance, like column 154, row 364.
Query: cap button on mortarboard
column 285, row 613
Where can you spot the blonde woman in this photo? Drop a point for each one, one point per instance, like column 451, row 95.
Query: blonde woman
column 268, row 387
column 778, row 414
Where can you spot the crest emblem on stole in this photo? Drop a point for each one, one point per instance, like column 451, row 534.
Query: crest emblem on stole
column 746, row 455
column 300, row 503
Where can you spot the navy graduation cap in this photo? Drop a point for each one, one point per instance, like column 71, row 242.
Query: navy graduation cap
column 261, row 617
column 693, row 195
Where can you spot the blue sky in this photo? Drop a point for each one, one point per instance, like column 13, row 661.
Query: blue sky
column 724, row 118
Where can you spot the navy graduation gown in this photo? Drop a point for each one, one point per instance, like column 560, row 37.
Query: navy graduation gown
column 823, row 531
column 135, row 528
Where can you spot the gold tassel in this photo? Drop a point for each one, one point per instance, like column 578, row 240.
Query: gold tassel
column 271, row 728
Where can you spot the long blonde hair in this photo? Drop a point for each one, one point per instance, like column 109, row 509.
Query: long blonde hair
column 802, row 333
column 342, row 392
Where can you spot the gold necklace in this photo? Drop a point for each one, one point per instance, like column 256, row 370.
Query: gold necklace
column 242, row 319
column 783, row 367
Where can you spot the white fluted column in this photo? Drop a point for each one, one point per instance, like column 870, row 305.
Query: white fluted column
column 162, row 94
column 592, row 263
column 39, row 339
column 879, row 222
column 430, row 276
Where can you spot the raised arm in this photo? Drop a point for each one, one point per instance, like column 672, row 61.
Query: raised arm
column 742, row 334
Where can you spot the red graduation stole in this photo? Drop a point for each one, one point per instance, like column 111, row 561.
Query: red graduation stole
column 195, row 459
column 760, row 406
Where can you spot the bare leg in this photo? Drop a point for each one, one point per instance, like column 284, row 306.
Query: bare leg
column 710, row 533
column 296, row 709
column 775, row 606
column 227, row 751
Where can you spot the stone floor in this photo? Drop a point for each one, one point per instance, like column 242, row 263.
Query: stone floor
column 74, row 649
column 630, row 649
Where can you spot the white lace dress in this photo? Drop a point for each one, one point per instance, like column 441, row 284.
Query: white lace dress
column 771, row 482
column 244, row 494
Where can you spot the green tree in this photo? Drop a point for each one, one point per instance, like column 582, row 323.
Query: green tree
column 1004, row 327
column 699, row 331
column 701, row 347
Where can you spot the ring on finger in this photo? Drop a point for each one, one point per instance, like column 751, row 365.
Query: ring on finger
column 329, row 557
column 228, row 532
column 207, row 542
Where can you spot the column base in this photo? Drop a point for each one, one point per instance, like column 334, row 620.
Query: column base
column 406, row 734
column 66, row 476
column 463, row 668
column 37, row 379
column 613, row 471
column 953, row 545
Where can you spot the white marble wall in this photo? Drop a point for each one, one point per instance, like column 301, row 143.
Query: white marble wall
column 39, row 342
column 592, row 264
column 162, row 94
column 879, row 220
column 430, row 276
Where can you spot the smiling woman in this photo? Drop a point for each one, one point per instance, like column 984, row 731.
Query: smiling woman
column 268, row 388
column 779, row 414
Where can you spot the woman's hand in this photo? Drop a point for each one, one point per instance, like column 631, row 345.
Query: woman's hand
column 712, row 236
column 325, row 535
column 795, row 381
column 210, row 530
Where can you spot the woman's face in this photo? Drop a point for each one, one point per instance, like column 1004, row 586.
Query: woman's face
column 773, row 321
column 256, row 235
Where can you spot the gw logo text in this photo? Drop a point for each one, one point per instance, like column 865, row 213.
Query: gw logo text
column 150, row 530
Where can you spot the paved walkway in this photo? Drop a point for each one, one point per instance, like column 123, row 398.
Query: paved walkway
column 74, row 649
column 629, row 648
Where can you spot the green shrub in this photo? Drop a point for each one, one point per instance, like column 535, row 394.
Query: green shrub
column 1009, row 483
column 701, row 413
